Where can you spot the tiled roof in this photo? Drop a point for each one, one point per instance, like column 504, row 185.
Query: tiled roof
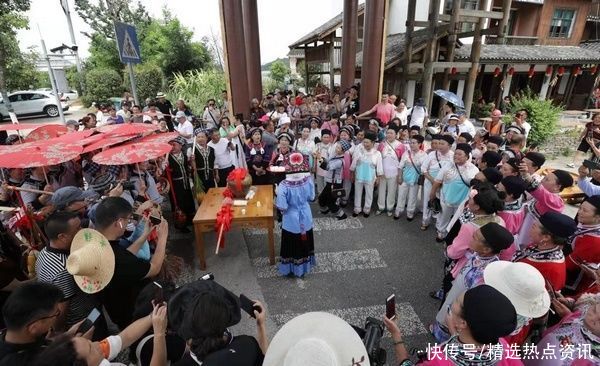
column 325, row 29
column 394, row 45
column 491, row 53
column 591, row 45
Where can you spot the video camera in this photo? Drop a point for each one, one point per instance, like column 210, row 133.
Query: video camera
column 371, row 336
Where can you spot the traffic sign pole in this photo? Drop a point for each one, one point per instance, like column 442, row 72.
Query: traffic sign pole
column 132, row 80
column 52, row 80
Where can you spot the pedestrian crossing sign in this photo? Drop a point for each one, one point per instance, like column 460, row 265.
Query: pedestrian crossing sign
column 127, row 42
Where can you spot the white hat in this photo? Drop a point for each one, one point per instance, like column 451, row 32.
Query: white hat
column 91, row 261
column 522, row 284
column 316, row 339
column 283, row 120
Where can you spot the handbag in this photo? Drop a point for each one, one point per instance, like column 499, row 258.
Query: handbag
column 337, row 190
column 435, row 205
column 421, row 179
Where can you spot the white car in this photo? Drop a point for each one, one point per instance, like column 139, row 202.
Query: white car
column 68, row 95
column 27, row 103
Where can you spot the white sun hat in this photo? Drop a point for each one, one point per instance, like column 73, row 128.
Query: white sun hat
column 314, row 339
column 522, row 284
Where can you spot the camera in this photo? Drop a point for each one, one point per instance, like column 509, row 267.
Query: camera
column 128, row 186
column 371, row 336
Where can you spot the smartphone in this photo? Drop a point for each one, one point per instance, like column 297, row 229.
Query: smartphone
column 390, row 307
column 590, row 134
column 153, row 220
column 159, row 297
column 591, row 165
column 248, row 305
column 89, row 321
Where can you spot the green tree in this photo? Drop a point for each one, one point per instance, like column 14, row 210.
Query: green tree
column 104, row 54
column 101, row 85
column 541, row 114
column 148, row 79
column 101, row 14
column 195, row 87
column 11, row 20
column 168, row 44
column 278, row 71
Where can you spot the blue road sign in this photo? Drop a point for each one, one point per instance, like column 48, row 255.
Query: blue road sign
column 129, row 48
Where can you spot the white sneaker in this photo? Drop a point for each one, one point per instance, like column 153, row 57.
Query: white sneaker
column 390, row 213
column 378, row 212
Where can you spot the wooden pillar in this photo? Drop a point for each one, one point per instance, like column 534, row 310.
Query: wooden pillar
column 452, row 38
column 373, row 53
column 349, row 40
column 331, row 63
column 502, row 80
column 235, row 67
column 475, row 55
column 252, row 45
column 503, row 28
column 408, row 48
column 306, row 71
column 430, row 53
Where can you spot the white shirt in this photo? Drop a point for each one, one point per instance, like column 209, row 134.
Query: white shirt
column 467, row 126
column 417, row 116
column 186, row 128
column 403, row 116
column 314, row 133
column 222, row 153
column 431, row 162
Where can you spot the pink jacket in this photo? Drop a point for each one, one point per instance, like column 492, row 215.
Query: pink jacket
column 346, row 169
column 461, row 244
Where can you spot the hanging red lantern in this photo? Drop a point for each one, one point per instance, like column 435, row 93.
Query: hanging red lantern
column 531, row 71
column 561, row 71
column 576, row 70
column 548, row 70
column 511, row 71
column 497, row 71
column 593, row 69
column 453, row 71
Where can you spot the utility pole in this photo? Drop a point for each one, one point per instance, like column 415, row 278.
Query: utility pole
column 52, row 79
column 74, row 48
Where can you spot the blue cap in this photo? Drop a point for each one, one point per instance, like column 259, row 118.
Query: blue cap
column 64, row 196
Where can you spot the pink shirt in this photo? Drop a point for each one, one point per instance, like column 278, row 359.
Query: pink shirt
column 385, row 112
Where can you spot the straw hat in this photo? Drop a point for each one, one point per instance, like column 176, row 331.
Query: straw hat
column 92, row 261
column 316, row 339
column 522, row 283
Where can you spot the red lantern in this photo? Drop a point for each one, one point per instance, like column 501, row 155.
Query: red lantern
column 548, row 70
column 561, row 71
column 531, row 71
column 511, row 71
column 496, row 71
column 576, row 70
column 453, row 71
column 593, row 69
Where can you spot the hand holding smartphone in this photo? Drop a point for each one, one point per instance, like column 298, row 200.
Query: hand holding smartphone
column 159, row 296
column 390, row 307
column 88, row 322
column 249, row 306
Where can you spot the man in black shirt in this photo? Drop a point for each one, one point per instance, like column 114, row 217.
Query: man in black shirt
column 29, row 313
column 165, row 107
column 111, row 219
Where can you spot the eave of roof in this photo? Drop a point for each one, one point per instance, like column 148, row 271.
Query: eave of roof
column 491, row 53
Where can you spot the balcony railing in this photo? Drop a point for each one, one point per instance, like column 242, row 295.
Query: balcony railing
column 513, row 40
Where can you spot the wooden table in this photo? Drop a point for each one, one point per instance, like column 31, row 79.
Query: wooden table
column 255, row 217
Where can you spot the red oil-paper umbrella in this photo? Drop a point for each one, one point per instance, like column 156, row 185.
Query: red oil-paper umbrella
column 128, row 129
column 107, row 141
column 46, row 132
column 80, row 137
column 132, row 153
column 38, row 154
column 21, row 126
column 160, row 137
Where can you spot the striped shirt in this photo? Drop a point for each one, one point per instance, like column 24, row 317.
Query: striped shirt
column 50, row 267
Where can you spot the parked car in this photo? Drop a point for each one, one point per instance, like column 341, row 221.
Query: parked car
column 28, row 103
column 68, row 95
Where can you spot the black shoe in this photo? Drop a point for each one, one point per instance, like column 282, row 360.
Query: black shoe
column 438, row 239
column 324, row 212
column 396, row 217
column 409, row 218
column 343, row 217
column 365, row 215
column 435, row 294
column 354, row 214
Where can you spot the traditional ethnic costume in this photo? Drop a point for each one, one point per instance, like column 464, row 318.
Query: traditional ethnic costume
column 180, row 178
column 257, row 157
column 294, row 195
column 280, row 157
column 205, row 166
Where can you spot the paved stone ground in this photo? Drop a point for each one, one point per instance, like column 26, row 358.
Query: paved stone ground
column 361, row 261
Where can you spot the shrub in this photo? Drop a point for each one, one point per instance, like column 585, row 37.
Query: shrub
column 543, row 116
column 148, row 81
column 195, row 87
column 100, row 85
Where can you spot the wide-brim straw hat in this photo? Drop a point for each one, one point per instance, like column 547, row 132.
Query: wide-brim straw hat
column 316, row 339
column 522, row 284
column 92, row 261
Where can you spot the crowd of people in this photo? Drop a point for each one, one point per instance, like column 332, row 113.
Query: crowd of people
column 520, row 278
